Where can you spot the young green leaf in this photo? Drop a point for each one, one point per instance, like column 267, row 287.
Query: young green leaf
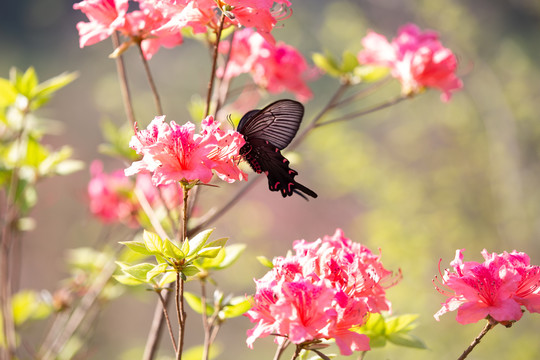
column 198, row 241
column 190, row 270
column 137, row 246
column 236, row 307
column 171, row 250
column 195, row 303
column 153, row 242
column 265, row 261
column 138, row 271
column 157, row 270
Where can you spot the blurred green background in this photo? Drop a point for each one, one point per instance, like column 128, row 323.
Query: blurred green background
column 418, row 180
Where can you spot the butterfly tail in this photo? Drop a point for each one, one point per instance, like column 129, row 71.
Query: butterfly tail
column 299, row 188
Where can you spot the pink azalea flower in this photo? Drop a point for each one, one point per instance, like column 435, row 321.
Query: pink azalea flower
column 112, row 199
column 274, row 67
column 105, row 17
column 498, row 287
column 175, row 153
column 321, row 292
column 417, row 59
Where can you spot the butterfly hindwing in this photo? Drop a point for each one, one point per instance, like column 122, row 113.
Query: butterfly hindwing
column 265, row 157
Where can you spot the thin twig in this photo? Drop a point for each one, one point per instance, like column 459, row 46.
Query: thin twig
column 81, row 312
column 214, row 65
column 281, row 348
column 151, row 82
column 145, row 205
column 167, row 320
column 154, row 334
column 122, row 77
column 206, row 325
column 297, row 351
column 364, row 112
column 179, row 314
column 490, row 325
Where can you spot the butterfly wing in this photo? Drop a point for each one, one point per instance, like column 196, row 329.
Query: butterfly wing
column 265, row 157
column 277, row 123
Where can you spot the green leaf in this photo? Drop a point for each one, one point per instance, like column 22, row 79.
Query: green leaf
column 157, row 270
column 128, row 280
column 369, row 73
column 327, row 63
column 401, row 323
column 195, row 303
column 190, row 270
column 198, row 241
column 8, row 93
column 138, row 271
column 350, row 62
column 28, row 305
column 172, row 251
column 27, row 82
column 58, row 163
column 117, row 138
column 210, row 252
column 265, row 261
column 153, row 242
column 137, row 246
column 43, row 91
column 167, row 278
column 407, row 340
column 238, row 306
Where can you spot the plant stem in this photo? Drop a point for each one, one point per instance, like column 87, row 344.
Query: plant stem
column 206, row 325
column 155, row 329
column 490, row 325
column 122, row 77
column 80, row 313
column 281, row 348
column 364, row 112
column 214, row 65
column 297, row 351
column 168, row 321
column 151, row 82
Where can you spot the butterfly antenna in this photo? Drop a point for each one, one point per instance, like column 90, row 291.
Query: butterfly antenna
column 229, row 119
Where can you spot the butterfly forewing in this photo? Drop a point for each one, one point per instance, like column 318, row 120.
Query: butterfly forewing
column 277, row 123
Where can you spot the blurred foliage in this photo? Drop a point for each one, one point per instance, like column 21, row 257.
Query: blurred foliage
column 418, row 180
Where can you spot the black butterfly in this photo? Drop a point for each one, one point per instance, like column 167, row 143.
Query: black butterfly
column 266, row 132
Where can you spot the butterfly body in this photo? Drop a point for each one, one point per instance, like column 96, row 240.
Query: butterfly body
column 266, row 132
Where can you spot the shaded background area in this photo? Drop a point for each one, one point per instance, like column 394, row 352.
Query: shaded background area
column 418, row 180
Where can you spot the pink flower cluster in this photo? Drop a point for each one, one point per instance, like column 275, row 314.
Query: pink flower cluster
column 499, row 287
column 175, row 153
column 112, row 197
column 159, row 22
column 323, row 291
column 417, row 59
column 274, row 67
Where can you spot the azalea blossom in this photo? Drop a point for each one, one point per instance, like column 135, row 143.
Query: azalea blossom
column 274, row 67
column 105, row 16
column 417, row 59
column 112, row 195
column 498, row 287
column 200, row 15
column 176, row 153
column 142, row 26
column 323, row 291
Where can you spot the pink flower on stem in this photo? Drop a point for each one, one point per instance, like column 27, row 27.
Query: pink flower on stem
column 112, row 198
column 274, row 67
column 323, row 291
column 417, row 59
column 175, row 153
column 498, row 287
column 105, row 17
